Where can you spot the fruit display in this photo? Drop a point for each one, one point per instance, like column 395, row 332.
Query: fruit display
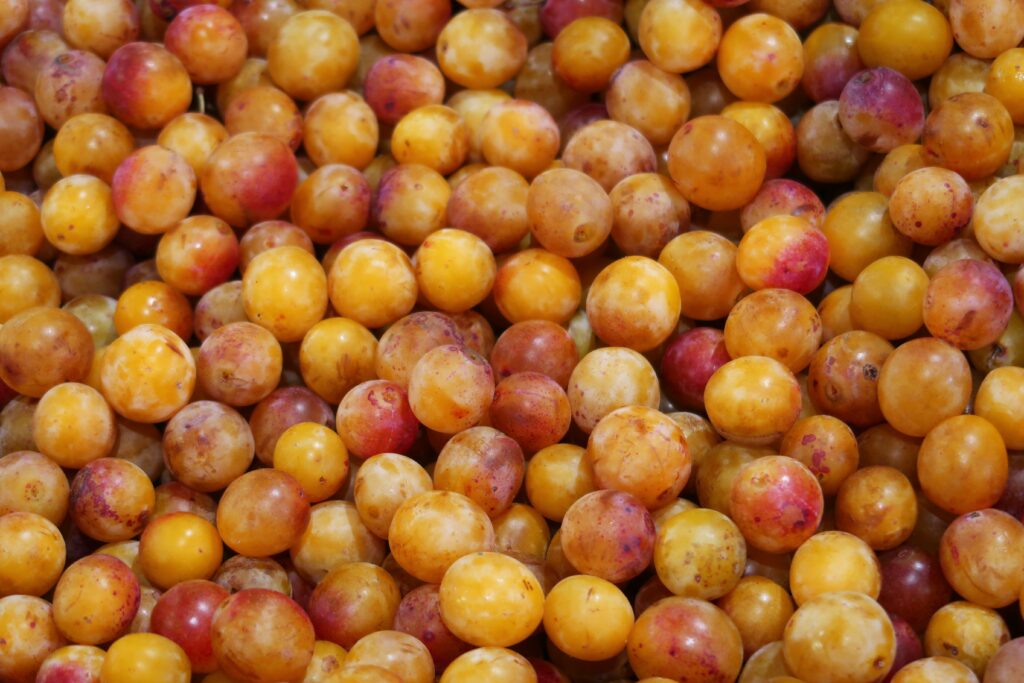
column 511, row 341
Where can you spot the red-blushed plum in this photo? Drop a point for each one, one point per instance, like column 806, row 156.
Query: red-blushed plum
column 261, row 635
column 913, row 585
column 185, row 615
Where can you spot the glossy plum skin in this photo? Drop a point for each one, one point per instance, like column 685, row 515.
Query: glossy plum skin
column 689, row 361
column 625, row 544
column 913, row 585
column 880, row 109
column 777, row 503
column 184, row 614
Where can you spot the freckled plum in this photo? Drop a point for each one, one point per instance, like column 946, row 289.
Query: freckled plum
column 375, row 417
column 262, row 636
column 968, row 304
column 880, row 109
column 145, row 85
column 777, row 503
column 95, row 600
column 683, row 637
column 609, row 534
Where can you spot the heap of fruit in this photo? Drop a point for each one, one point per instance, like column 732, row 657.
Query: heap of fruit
column 350, row 341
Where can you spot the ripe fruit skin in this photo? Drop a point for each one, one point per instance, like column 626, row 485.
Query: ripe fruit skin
column 262, row 635
column 453, row 273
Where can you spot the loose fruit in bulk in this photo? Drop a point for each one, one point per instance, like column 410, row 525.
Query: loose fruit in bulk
column 349, row 341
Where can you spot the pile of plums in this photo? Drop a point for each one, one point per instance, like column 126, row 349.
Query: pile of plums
column 511, row 341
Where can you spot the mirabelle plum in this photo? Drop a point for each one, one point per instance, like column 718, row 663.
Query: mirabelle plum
column 608, row 534
column 535, row 284
column 153, row 302
column 95, row 600
column 491, row 600
column 966, row 632
column 640, row 451
column 147, row 373
column 840, row 637
column 704, row 266
column 824, row 152
column 753, row 400
column 520, row 135
column 996, row 223
column 73, row 425
column 285, row 291
column 92, row 143
column 262, row 513
column 353, row 600
column 776, row 502
column 21, row 231
column 826, row 446
column 970, row 133
column 888, row 297
column 35, row 556
column 570, row 214
column 980, row 555
column 431, row 530
column 193, row 137
column 77, row 215
column 67, row 85
column 178, row 547
column 22, row 136
column 700, row 553
column 496, row 664
column 833, row 561
column 315, row 455
column 145, row 85
column 860, row 231
column 197, row 254
column 760, row 609
column 889, row 25
column 391, row 19
column 450, row 388
column 601, row 636
column 313, row 53
column 931, row 205
column 609, row 378
column 395, row 652
column 262, row 636
column 878, row 505
column 996, row 402
column 184, row 614
column 783, row 251
column 938, row 370
column 340, row 128
column 531, row 408
column 25, row 647
column 30, row 53
column 777, row 323
column 241, row 572
column 250, row 177
column 31, row 482
column 760, row 58
column 609, row 152
column 335, row 535
column 81, row 660
column 679, row 35
column 970, row 450
column 145, row 658
column 934, row 669
column 709, row 149
column 985, row 29
column 653, row 101
column 677, row 637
